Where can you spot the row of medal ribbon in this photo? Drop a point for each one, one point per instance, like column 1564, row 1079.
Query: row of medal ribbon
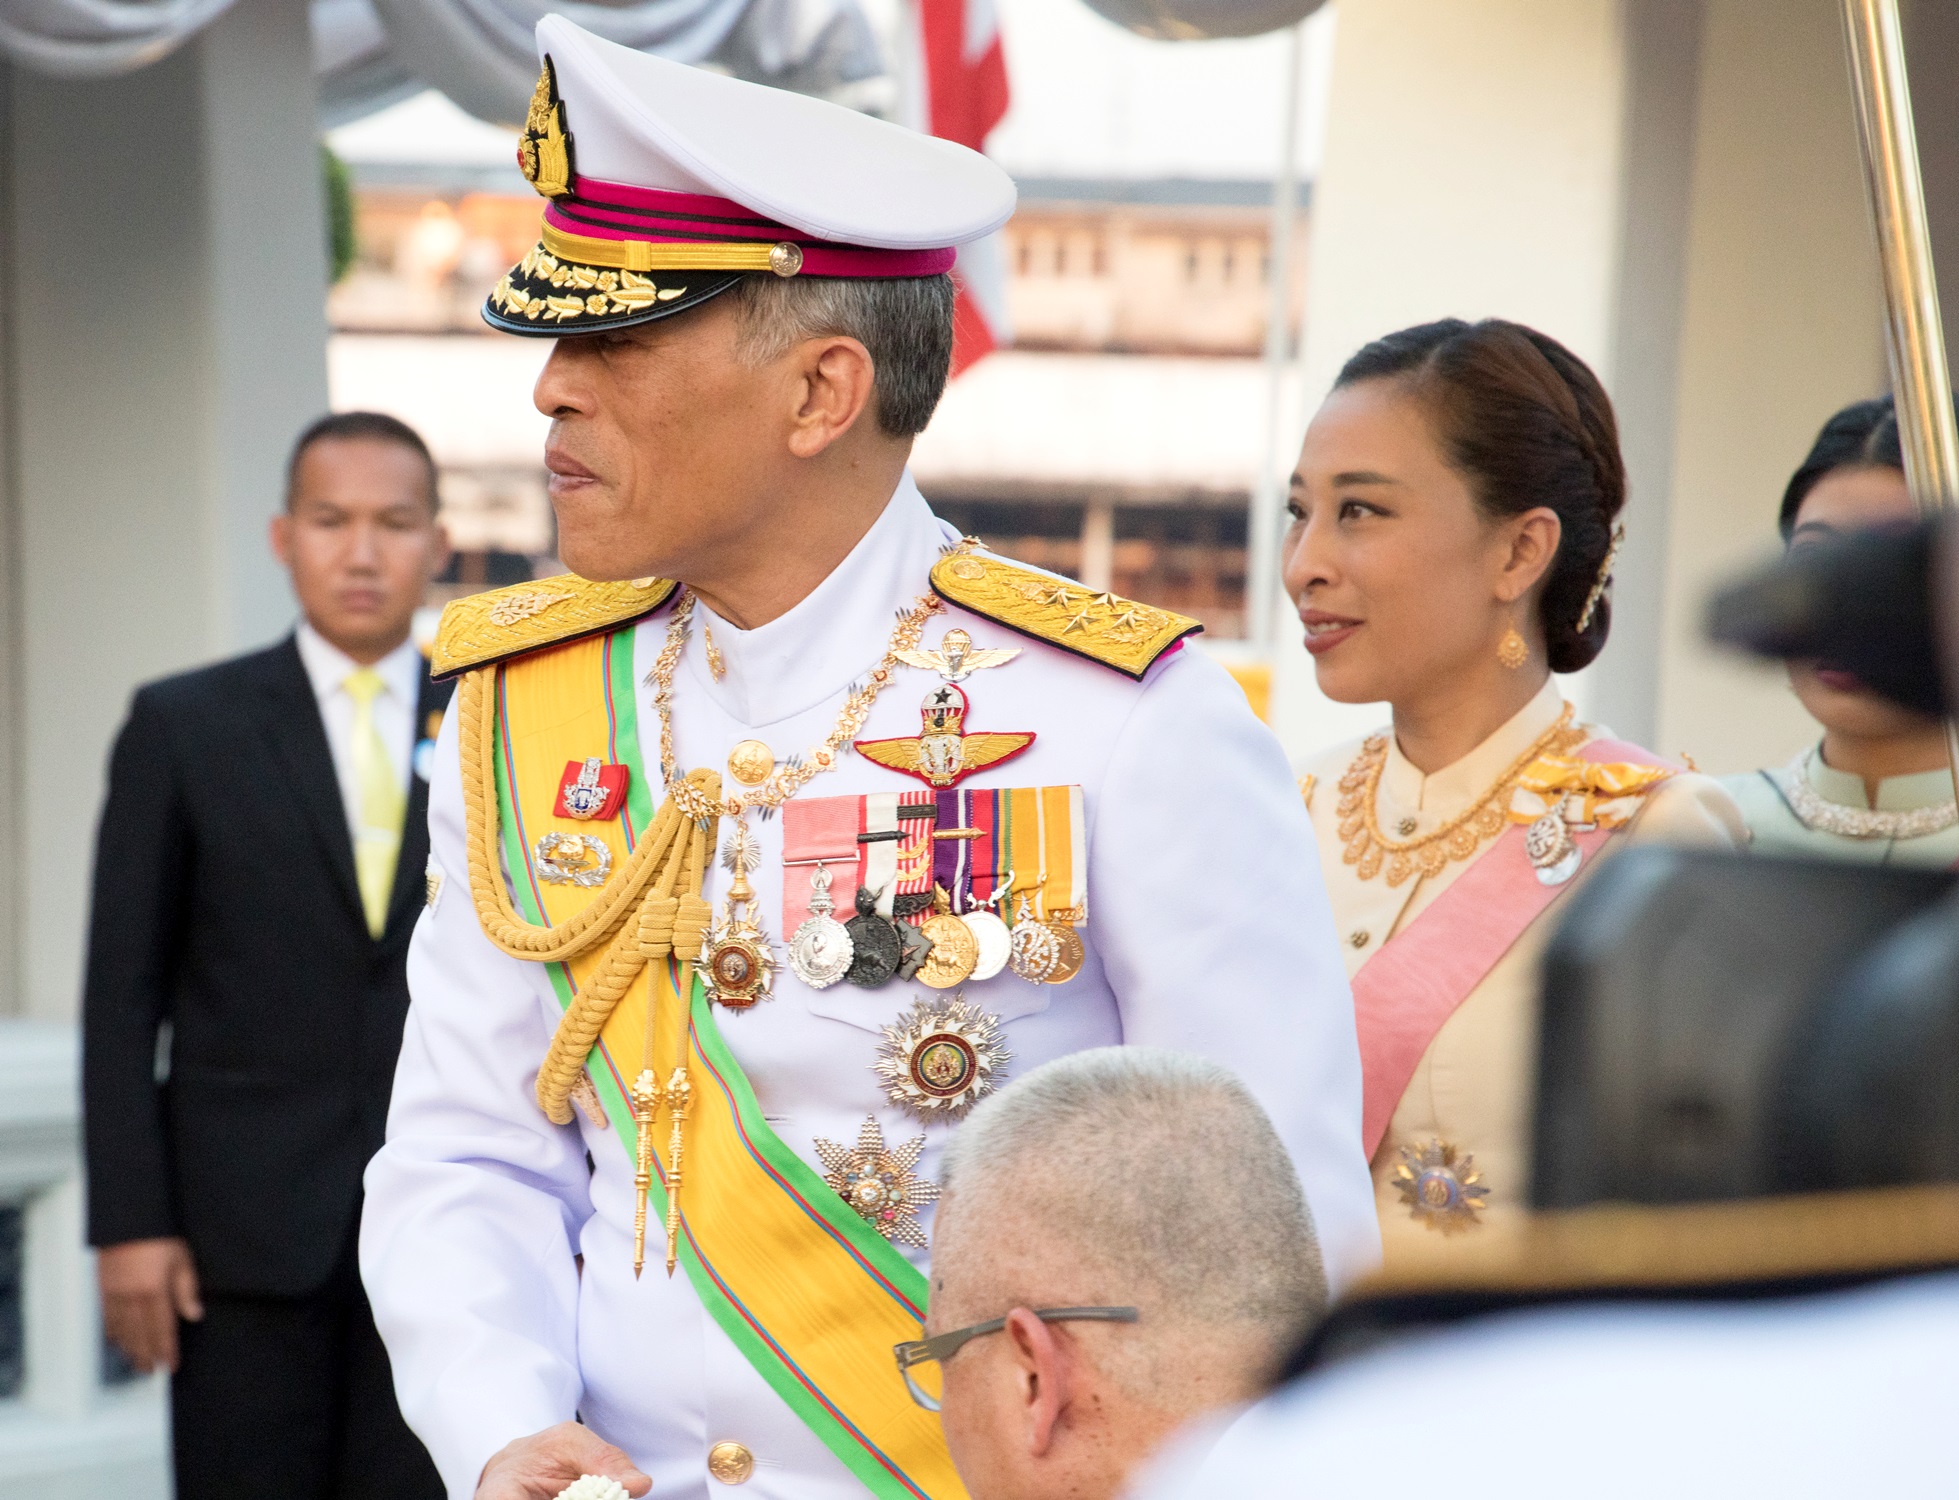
column 943, row 886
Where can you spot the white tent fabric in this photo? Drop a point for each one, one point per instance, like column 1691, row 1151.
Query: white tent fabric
column 370, row 53
column 99, row 38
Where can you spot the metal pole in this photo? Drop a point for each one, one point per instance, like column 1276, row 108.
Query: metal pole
column 1262, row 522
column 1920, row 379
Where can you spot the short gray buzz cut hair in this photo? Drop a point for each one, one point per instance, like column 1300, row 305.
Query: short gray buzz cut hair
column 904, row 321
column 1160, row 1169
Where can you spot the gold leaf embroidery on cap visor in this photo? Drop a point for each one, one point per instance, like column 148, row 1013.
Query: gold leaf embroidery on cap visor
column 580, row 291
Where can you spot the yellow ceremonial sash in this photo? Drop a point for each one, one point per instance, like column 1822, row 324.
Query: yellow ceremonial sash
column 810, row 1293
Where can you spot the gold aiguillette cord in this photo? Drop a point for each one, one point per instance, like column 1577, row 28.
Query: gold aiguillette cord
column 680, row 1093
column 684, row 869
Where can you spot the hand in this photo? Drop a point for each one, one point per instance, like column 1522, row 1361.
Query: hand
column 537, row 1467
column 147, row 1285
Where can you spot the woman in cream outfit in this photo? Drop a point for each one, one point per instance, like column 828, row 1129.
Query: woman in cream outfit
column 1453, row 526
column 1877, row 788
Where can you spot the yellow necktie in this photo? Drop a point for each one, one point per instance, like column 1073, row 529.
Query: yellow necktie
column 381, row 804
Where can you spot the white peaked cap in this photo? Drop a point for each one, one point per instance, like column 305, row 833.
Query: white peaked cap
column 831, row 172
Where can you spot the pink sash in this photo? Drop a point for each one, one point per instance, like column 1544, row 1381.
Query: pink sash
column 1404, row 993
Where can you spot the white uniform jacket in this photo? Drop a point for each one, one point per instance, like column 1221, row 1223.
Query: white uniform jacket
column 1208, row 931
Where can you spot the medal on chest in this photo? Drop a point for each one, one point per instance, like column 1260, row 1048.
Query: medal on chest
column 877, row 947
column 821, row 950
column 880, row 1182
column 736, row 961
column 941, row 1057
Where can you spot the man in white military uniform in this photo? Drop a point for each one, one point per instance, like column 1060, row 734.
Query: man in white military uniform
column 1058, row 830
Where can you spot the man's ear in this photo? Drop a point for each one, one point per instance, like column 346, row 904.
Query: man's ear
column 439, row 550
column 1044, row 1368
column 838, row 384
column 279, row 536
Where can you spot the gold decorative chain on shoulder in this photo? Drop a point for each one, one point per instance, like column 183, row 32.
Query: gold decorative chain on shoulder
column 1368, row 848
column 789, row 777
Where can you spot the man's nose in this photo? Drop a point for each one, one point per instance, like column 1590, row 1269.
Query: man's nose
column 364, row 545
column 560, row 388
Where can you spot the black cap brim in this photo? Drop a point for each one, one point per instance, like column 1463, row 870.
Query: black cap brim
column 548, row 296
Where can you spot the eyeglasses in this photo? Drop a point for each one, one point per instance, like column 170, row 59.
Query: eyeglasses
column 935, row 1351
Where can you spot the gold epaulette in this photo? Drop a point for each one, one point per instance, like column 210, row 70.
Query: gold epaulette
column 506, row 622
column 1103, row 627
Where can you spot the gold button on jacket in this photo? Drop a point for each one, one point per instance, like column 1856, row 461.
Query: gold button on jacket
column 730, row 1463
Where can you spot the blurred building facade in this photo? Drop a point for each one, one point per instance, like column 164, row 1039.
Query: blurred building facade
column 1116, row 442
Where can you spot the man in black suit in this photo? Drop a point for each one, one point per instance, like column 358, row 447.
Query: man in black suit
column 260, row 868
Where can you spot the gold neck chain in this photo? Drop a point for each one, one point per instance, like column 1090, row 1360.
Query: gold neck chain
column 1368, row 847
column 789, row 777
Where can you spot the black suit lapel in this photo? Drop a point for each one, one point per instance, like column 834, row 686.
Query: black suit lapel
column 410, row 872
column 299, row 739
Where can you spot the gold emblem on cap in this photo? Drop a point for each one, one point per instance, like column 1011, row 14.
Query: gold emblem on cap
column 731, row 1463
column 544, row 152
column 786, row 259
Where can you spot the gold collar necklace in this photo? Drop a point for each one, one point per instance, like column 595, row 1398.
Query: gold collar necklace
column 1368, row 847
column 771, row 783
column 737, row 959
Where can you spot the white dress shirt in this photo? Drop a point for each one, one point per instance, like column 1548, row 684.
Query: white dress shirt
column 401, row 672
column 1802, row 1398
column 1208, row 931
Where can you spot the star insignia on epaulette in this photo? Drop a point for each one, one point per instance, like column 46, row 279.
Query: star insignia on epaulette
column 1095, row 623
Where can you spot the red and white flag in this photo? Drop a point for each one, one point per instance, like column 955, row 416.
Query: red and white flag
column 960, row 94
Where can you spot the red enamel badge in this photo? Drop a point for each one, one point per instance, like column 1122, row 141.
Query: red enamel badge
column 591, row 789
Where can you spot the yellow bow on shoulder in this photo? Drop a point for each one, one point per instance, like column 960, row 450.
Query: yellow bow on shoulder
column 1601, row 793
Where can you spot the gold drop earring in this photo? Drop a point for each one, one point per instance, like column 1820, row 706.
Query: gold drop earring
column 1513, row 650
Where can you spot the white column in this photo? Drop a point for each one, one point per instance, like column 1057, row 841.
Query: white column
column 165, row 280
column 1782, row 323
column 1470, row 170
column 1671, row 188
column 1099, row 544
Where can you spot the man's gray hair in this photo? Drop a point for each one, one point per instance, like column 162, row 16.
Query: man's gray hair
column 904, row 321
column 1160, row 1170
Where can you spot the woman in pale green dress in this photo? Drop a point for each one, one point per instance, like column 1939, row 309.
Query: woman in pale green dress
column 1877, row 788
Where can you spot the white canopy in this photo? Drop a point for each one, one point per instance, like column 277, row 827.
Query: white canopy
column 371, row 53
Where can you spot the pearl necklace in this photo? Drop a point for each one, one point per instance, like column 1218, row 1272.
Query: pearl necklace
column 1822, row 816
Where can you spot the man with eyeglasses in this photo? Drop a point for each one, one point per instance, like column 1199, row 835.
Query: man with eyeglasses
column 1122, row 1248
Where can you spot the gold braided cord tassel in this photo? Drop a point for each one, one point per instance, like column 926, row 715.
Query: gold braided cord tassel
column 662, row 876
column 583, row 1020
column 501, row 922
column 666, row 924
column 690, row 925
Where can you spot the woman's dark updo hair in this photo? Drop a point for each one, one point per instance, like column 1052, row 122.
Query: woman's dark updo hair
column 1864, row 435
column 1527, row 424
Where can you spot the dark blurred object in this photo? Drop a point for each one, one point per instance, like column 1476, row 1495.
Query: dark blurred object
column 1742, row 1061
column 1198, row 20
column 489, row 570
column 1872, row 1096
column 1862, row 603
column 1692, row 1007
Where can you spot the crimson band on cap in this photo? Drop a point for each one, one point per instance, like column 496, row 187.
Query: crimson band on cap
column 596, row 210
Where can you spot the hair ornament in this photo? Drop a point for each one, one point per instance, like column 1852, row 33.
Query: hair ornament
column 1604, row 580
